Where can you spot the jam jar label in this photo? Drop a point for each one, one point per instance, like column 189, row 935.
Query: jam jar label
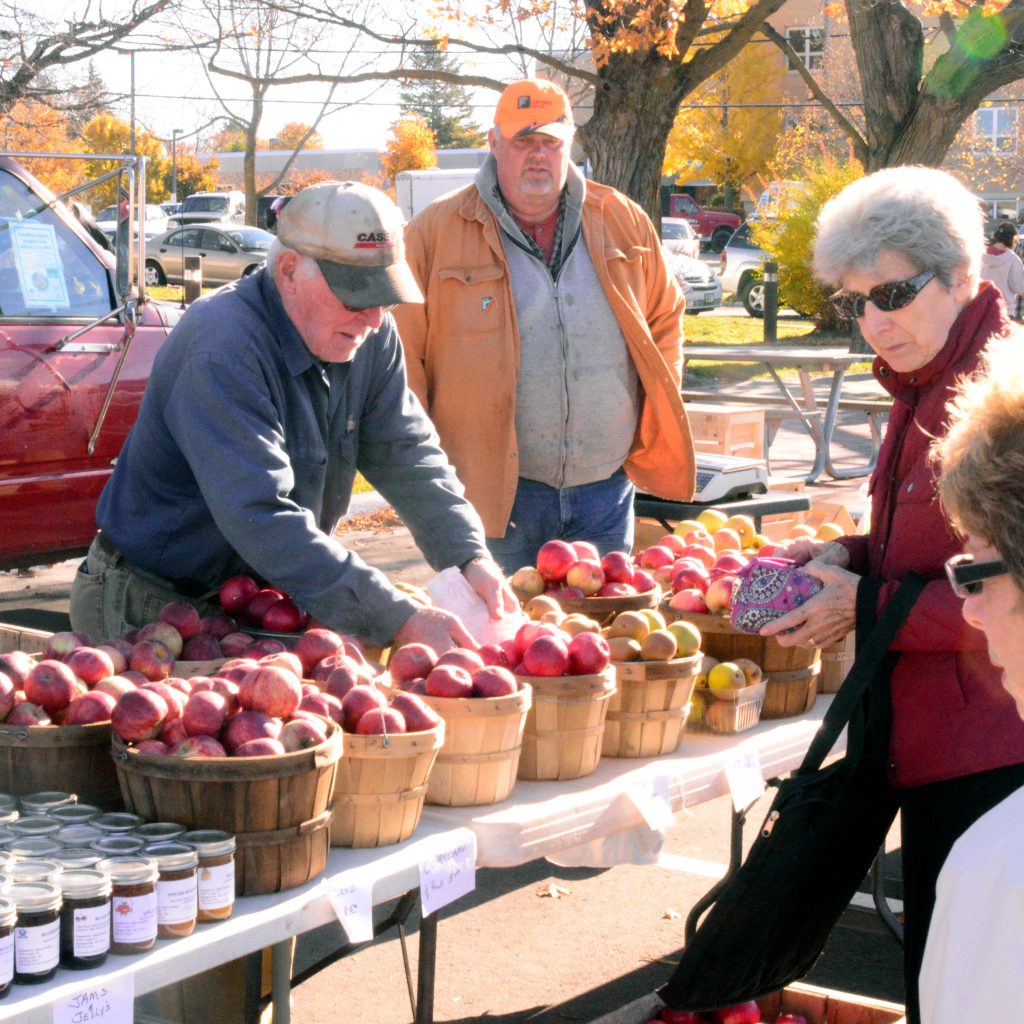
column 91, row 931
column 6, row 958
column 177, row 901
column 217, row 886
column 37, row 949
column 134, row 918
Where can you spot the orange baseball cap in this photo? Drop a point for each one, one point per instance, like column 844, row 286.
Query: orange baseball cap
column 534, row 105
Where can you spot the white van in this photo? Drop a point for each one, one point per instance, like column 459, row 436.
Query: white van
column 201, row 207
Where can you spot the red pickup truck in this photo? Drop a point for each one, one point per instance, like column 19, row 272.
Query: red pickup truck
column 76, row 346
column 713, row 227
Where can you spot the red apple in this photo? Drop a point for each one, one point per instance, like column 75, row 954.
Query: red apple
column 174, row 698
column 204, row 713
column 59, row 645
column 469, row 660
column 668, row 1016
column 494, row 654
column 704, row 555
column 343, row 677
column 410, row 662
column 286, row 660
column 94, row 706
column 165, row 633
column 183, row 616
column 302, row 733
column 261, row 601
column 587, row 575
column 588, row 654
column 325, row 666
column 27, row 713
column 7, row 698
column 265, row 645
column 617, row 589
column 494, row 681
column 236, row 669
column 530, row 631
column 90, row 664
column 689, row 578
column 357, row 702
column 152, row 658
column 742, row 1013
column 418, row 714
column 283, row 616
column 764, row 551
column 236, row 592
column 217, row 625
column 324, row 704
column 690, row 600
column 380, row 720
column 198, row 746
column 617, row 567
column 228, row 690
column 16, row 665
column 673, row 543
column 152, row 747
column 554, row 559
column 232, row 645
column 201, row 647
column 270, row 689
column 246, row 726
column 643, row 581
column 566, row 594
column 114, row 685
column 172, row 733
column 449, row 681
column 585, row 549
column 656, row 556
column 730, row 561
column 265, row 747
column 138, row 715
column 51, row 685
column 546, row 656
column 718, row 596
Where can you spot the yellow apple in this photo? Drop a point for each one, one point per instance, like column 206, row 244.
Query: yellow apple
column 829, row 531
column 726, row 675
column 707, row 663
column 712, row 520
column 744, row 526
column 750, row 669
column 688, row 638
column 686, row 526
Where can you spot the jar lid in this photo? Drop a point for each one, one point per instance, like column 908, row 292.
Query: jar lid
column 36, row 825
column 33, row 897
column 160, row 831
column 126, row 870
column 43, row 803
column 8, row 912
column 173, row 856
column 33, row 847
column 70, row 857
column 210, row 842
column 78, row 834
column 6, row 817
column 31, row 870
column 83, row 883
column 75, row 814
column 117, row 845
column 118, row 821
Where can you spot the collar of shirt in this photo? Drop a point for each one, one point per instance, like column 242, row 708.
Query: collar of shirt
column 296, row 355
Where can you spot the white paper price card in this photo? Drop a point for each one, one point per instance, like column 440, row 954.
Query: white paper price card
column 651, row 798
column 448, row 871
column 352, row 898
column 107, row 1002
column 743, row 773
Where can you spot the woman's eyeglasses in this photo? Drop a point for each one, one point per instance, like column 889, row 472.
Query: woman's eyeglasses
column 887, row 297
column 967, row 577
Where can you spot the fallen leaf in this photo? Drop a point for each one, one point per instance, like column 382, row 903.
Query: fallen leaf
column 556, row 892
column 670, row 915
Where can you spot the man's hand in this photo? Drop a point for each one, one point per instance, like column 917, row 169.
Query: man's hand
column 823, row 619
column 436, row 628
column 486, row 578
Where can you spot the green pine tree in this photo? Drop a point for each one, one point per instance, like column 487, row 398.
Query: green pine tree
column 445, row 106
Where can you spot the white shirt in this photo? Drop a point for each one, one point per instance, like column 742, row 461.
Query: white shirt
column 973, row 969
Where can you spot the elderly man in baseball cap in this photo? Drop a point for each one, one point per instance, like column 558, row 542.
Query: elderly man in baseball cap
column 549, row 295
column 265, row 400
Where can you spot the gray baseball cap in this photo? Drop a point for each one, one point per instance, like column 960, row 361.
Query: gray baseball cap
column 355, row 234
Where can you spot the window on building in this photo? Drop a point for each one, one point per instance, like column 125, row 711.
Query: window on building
column 809, row 44
column 996, row 129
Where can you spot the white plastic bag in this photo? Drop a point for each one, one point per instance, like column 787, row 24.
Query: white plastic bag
column 450, row 590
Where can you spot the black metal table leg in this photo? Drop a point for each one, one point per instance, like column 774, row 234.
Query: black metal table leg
column 427, row 967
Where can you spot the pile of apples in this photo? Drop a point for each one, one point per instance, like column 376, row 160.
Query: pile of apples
column 742, row 1013
column 576, row 570
column 242, row 598
column 644, row 635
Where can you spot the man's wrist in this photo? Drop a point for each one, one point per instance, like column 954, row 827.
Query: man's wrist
column 470, row 561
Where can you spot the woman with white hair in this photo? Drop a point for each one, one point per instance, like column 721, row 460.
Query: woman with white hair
column 904, row 247
column 972, row 963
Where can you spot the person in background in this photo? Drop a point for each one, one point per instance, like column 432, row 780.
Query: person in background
column 972, row 962
column 904, row 246
column 548, row 351
column 1003, row 267
column 264, row 401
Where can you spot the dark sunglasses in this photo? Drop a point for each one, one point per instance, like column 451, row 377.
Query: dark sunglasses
column 967, row 577
column 887, row 297
column 367, row 309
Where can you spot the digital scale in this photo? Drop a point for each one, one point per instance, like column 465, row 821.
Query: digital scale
column 724, row 477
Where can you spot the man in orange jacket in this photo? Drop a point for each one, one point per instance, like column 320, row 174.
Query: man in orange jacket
column 548, row 351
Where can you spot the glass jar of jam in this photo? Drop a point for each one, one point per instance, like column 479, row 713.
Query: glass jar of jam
column 31, row 870
column 79, row 835
column 32, row 847
column 36, row 930
column 8, row 916
column 35, row 826
column 177, row 889
column 75, row 814
column 84, row 918
column 118, row 822
column 6, row 817
column 216, row 851
column 77, row 857
column 118, row 844
column 159, row 832
column 133, row 918
column 43, row 803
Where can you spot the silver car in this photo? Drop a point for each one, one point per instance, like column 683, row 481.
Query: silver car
column 740, row 269
column 227, row 252
column 700, row 284
column 678, row 236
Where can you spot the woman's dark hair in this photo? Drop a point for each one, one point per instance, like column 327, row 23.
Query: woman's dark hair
column 1005, row 233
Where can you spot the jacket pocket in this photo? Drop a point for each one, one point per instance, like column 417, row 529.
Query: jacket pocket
column 474, row 298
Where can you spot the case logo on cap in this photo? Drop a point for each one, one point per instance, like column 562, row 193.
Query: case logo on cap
column 374, row 240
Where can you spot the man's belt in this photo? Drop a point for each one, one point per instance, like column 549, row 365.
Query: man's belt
column 194, row 590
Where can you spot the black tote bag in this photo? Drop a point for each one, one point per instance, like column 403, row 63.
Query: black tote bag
column 770, row 921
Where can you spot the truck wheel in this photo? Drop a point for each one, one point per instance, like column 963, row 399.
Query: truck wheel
column 752, row 296
column 720, row 238
column 154, row 275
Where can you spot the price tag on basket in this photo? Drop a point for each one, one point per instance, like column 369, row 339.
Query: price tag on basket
column 351, row 896
column 743, row 773
column 651, row 798
column 448, row 871
column 110, row 1000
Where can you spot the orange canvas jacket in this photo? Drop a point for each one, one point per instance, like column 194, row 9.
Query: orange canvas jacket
column 462, row 344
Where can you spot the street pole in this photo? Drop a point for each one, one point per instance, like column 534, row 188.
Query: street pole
column 175, row 132
column 771, row 301
column 131, row 58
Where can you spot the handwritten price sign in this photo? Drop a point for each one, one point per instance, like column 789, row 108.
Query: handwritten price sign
column 448, row 873
column 746, row 781
column 352, row 899
column 652, row 799
column 110, row 1002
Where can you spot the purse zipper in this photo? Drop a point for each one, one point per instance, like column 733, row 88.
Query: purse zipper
column 769, row 823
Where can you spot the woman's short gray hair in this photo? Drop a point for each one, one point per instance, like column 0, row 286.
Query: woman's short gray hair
column 920, row 213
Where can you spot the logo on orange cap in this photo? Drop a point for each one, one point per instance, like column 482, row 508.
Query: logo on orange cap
column 534, row 105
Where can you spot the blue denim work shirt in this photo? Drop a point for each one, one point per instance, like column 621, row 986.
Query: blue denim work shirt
column 245, row 450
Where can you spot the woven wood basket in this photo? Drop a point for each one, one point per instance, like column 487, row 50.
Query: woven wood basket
column 604, row 609
column 791, row 693
column 836, row 661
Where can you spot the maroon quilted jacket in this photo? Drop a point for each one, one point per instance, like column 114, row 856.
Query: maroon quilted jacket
column 951, row 715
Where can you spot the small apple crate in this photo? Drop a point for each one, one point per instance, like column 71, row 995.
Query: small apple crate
column 727, row 430
column 565, row 726
column 381, row 785
column 278, row 806
column 604, row 609
column 728, row 711
column 647, row 713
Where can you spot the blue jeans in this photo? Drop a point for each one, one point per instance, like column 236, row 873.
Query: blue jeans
column 601, row 512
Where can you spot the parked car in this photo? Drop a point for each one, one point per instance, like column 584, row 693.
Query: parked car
column 275, row 211
column 204, row 207
column 713, row 227
column 740, row 270
column 170, row 208
column 699, row 282
column 228, row 252
column 156, row 220
column 677, row 236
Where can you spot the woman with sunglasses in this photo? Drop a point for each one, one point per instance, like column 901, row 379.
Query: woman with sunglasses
column 904, row 246
column 972, row 963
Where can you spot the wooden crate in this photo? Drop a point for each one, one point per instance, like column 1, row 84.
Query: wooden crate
column 830, row 512
column 727, row 429
column 21, row 638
